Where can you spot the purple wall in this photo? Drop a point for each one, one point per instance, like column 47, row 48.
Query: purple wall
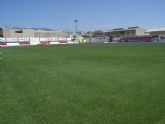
column 144, row 39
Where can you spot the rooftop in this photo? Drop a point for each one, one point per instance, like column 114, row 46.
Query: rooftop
column 155, row 30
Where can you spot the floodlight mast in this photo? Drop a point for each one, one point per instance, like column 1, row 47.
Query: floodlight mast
column 76, row 21
column 0, row 50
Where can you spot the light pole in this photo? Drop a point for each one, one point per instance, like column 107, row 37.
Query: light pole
column 158, row 34
column 0, row 50
column 76, row 21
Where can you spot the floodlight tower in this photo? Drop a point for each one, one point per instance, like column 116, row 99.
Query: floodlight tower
column 0, row 51
column 76, row 21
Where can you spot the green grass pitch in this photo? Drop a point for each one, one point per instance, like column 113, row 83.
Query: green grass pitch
column 83, row 84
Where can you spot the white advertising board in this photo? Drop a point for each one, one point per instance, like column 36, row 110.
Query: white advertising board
column 34, row 40
column 69, row 39
column 2, row 39
column 62, row 39
column 54, row 39
column 13, row 44
column 116, row 38
column 10, row 40
column 71, row 42
column 44, row 39
column 54, row 43
column 162, row 38
column 24, row 39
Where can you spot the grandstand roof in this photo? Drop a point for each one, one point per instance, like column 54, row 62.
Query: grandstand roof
column 156, row 29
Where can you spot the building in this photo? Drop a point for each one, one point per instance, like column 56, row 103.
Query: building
column 158, row 34
column 1, row 32
column 24, row 32
column 156, row 31
column 130, row 31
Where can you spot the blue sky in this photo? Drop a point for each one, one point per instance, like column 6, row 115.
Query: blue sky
column 92, row 14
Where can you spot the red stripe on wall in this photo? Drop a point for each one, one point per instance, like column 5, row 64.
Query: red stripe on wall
column 3, row 43
column 24, row 43
column 45, row 43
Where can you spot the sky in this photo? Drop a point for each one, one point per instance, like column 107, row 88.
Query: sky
column 92, row 14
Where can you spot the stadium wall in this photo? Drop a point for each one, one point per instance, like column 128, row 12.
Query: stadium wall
column 35, row 41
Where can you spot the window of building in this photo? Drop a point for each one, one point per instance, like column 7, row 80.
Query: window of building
column 122, row 33
column 18, row 31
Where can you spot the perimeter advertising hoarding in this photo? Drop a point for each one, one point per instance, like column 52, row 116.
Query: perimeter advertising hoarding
column 162, row 38
column 62, row 39
column 24, row 39
column 55, row 39
column 34, row 40
column 11, row 40
column 44, row 39
column 2, row 39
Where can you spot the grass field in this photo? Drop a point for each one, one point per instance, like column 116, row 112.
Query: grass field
column 83, row 84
